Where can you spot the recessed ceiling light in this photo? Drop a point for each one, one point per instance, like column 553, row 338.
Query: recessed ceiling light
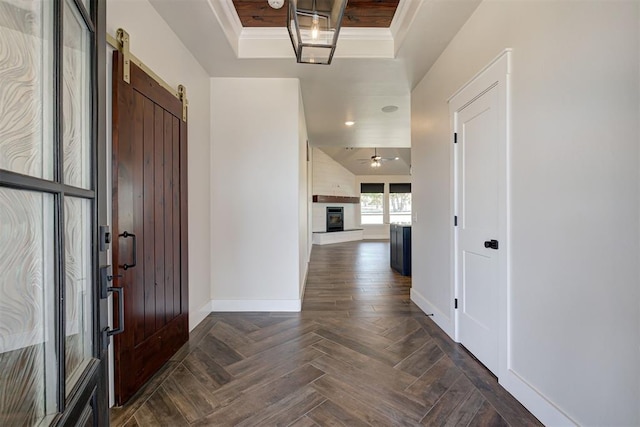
column 389, row 108
column 396, row 158
column 349, row 123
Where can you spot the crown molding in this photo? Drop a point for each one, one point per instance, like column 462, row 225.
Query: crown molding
column 274, row 42
column 403, row 19
column 226, row 14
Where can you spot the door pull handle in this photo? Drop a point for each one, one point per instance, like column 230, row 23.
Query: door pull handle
column 120, row 329
column 491, row 244
column 126, row 234
column 105, row 278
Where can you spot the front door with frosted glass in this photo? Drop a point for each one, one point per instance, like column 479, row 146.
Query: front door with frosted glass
column 52, row 364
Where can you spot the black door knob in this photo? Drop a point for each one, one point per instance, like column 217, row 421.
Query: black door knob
column 491, row 244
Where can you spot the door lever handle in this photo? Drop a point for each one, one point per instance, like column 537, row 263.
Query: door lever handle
column 491, row 244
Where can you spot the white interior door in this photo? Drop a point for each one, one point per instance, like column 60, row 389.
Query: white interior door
column 479, row 123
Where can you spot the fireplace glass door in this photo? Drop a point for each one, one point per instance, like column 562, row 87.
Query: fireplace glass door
column 335, row 219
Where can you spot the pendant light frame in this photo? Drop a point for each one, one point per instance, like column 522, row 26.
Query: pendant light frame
column 300, row 14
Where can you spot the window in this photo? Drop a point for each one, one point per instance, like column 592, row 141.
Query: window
column 371, row 203
column 399, row 203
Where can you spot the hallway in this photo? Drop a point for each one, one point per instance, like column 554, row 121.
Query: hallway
column 360, row 353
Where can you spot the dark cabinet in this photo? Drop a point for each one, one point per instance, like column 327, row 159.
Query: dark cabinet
column 400, row 243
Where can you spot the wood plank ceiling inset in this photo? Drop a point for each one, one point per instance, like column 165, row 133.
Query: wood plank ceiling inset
column 359, row 13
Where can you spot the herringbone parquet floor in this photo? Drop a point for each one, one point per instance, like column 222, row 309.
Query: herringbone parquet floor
column 359, row 354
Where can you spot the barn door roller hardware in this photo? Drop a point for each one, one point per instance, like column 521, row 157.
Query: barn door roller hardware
column 121, row 43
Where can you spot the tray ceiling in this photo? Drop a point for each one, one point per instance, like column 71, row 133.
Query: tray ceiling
column 358, row 13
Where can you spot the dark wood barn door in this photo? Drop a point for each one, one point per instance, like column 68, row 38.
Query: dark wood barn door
column 149, row 217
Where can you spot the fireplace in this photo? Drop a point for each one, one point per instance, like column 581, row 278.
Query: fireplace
column 335, row 219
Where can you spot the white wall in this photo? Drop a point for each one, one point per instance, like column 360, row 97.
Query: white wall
column 574, row 294
column 330, row 178
column 304, row 230
column 255, row 185
column 379, row 231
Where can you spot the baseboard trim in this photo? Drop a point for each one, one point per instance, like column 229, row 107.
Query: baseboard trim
column 303, row 285
column 532, row 399
column 441, row 319
column 292, row 305
column 197, row 316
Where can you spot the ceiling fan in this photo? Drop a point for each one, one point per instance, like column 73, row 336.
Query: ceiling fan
column 376, row 160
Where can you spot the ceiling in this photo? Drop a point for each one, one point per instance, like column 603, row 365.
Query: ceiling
column 358, row 13
column 396, row 161
column 372, row 67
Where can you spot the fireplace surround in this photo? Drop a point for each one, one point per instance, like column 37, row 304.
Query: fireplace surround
column 335, row 219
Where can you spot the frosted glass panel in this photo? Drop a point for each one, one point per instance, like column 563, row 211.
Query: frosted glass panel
column 76, row 97
column 27, row 340
column 78, row 274
column 26, row 87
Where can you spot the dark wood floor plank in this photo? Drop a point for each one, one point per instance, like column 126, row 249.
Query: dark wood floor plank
column 188, row 394
column 275, row 355
column 487, row 416
column 465, row 412
column 131, row 423
column 383, row 371
column 355, row 345
column 375, row 410
column 278, row 339
column 303, row 422
column 241, row 324
column 206, row 370
column 436, row 381
column 447, row 404
column 399, row 328
column 229, row 335
column 274, row 329
column 287, row 410
column 162, row 409
column 332, row 414
column 410, row 343
column 219, row 351
column 247, row 404
column 366, row 375
column 418, row 362
column 195, row 337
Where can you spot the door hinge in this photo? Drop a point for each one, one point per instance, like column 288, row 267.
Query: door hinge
column 455, row 137
column 455, row 220
column 455, row 303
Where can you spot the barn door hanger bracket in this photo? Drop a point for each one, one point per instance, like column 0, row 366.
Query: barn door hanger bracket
column 123, row 42
column 182, row 93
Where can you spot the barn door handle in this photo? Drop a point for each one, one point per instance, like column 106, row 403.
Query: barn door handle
column 135, row 260
column 491, row 244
